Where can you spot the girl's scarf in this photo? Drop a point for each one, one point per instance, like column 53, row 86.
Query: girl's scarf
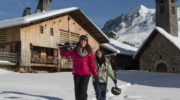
column 82, row 52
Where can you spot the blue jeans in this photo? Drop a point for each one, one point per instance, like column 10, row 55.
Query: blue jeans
column 100, row 90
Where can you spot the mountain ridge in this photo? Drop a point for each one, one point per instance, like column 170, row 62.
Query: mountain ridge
column 134, row 26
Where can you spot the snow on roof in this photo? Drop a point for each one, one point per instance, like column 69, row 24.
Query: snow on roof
column 42, row 15
column 3, row 62
column 110, row 47
column 174, row 40
column 34, row 17
column 118, row 47
column 113, row 32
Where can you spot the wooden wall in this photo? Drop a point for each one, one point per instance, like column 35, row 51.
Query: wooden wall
column 8, row 36
column 31, row 34
column 13, row 34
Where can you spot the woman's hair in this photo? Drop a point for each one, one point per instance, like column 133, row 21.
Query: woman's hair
column 102, row 59
column 87, row 47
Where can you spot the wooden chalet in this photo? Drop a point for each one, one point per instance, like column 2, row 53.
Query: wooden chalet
column 34, row 38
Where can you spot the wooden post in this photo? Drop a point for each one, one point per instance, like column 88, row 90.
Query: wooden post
column 18, row 55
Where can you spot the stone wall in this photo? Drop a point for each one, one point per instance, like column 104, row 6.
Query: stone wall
column 160, row 50
column 166, row 16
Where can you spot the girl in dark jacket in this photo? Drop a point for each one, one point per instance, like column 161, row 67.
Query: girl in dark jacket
column 104, row 70
column 83, row 66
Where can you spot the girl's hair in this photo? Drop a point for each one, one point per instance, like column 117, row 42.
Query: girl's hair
column 102, row 59
column 87, row 47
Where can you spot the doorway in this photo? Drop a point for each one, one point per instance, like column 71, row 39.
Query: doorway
column 161, row 68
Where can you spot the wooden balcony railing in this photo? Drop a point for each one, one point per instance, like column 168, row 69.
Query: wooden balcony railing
column 9, row 57
column 51, row 61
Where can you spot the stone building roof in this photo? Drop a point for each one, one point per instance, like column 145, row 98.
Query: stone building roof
column 119, row 48
column 174, row 40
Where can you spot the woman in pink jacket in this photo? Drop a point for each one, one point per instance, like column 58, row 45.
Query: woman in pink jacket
column 83, row 66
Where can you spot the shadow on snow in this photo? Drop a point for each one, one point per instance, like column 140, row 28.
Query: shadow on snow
column 26, row 94
column 169, row 80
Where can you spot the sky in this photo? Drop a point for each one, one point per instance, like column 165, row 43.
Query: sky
column 99, row 11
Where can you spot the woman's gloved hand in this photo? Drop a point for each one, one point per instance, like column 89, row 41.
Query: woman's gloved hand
column 95, row 79
column 115, row 82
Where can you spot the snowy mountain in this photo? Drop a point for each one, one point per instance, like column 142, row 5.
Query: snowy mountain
column 134, row 26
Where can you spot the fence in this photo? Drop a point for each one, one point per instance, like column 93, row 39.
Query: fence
column 8, row 57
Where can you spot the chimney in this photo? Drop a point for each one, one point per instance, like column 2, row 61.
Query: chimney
column 43, row 5
column 27, row 11
column 113, row 35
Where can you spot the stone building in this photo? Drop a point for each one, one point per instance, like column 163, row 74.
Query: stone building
column 161, row 50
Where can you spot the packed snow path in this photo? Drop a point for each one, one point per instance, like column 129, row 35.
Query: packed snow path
column 136, row 85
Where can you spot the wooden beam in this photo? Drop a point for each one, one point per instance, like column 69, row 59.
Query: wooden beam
column 45, row 65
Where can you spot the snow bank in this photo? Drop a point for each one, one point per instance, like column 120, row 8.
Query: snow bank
column 3, row 71
column 135, row 85
column 3, row 62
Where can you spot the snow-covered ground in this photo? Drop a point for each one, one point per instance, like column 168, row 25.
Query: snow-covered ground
column 136, row 85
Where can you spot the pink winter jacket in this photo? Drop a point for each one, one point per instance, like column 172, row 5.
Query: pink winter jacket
column 81, row 65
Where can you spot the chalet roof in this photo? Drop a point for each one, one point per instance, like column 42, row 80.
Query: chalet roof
column 174, row 40
column 74, row 12
column 119, row 48
column 33, row 17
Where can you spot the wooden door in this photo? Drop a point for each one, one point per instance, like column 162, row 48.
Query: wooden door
column 161, row 68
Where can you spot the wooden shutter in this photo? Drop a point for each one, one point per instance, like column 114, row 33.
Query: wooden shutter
column 66, row 37
column 2, row 36
column 74, row 37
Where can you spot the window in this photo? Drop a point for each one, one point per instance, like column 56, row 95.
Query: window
column 162, row 9
column 41, row 29
column 161, row 1
column 2, row 48
column 51, row 31
column 172, row 1
column 173, row 69
column 50, row 52
column 160, row 57
column 173, row 10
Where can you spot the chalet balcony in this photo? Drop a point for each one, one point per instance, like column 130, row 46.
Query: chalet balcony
column 49, row 62
column 44, row 57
